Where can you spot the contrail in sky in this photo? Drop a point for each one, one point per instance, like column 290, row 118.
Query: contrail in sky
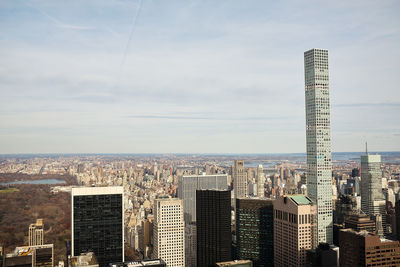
column 131, row 35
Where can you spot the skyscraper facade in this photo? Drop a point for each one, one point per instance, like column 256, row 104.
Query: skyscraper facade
column 318, row 134
column 168, row 231
column 214, row 238
column 97, row 223
column 255, row 230
column 260, row 181
column 367, row 249
column 294, row 229
column 36, row 235
column 239, row 179
column 372, row 199
column 187, row 186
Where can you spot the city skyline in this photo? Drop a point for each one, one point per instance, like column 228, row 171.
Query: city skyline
column 193, row 77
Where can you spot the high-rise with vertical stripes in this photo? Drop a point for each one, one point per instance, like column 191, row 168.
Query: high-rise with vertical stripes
column 318, row 134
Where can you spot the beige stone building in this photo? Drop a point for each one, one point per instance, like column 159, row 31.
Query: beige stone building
column 294, row 229
column 239, row 179
column 36, row 234
column 168, row 231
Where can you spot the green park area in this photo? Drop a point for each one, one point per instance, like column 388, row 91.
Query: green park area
column 8, row 190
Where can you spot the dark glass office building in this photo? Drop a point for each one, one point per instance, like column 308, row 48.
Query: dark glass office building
column 214, row 238
column 255, row 231
column 97, row 223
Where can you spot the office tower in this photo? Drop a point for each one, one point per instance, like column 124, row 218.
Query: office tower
column 36, row 236
column 236, row 263
column 324, row 255
column 260, row 181
column 294, row 229
column 187, row 186
column 367, row 249
column 214, row 238
column 146, row 237
column 372, row 199
column 360, row 222
column 255, row 230
column 239, row 179
column 345, row 205
column 190, row 244
column 97, row 223
column 140, row 263
column 397, row 214
column 168, row 231
column 355, row 172
column 318, row 134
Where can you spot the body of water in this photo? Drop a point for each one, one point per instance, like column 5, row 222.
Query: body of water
column 43, row 181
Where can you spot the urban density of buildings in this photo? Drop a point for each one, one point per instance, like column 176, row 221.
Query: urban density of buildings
column 175, row 210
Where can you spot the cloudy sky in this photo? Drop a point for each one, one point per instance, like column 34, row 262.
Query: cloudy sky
column 132, row 76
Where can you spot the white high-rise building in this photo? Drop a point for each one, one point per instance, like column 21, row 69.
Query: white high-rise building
column 168, row 231
column 318, row 134
column 372, row 199
column 36, row 237
column 239, row 179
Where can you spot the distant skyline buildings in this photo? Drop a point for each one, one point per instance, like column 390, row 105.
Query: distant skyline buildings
column 318, row 136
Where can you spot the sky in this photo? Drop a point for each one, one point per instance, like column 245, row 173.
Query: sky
column 148, row 76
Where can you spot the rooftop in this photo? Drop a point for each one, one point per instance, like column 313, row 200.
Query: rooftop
column 300, row 199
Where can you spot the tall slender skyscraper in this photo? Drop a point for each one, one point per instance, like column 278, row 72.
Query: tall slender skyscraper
column 372, row 199
column 239, row 179
column 318, row 134
column 98, row 223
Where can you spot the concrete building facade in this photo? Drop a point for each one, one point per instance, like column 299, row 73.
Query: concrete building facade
column 169, row 231
column 239, row 177
column 36, row 234
column 367, row 249
column 294, row 229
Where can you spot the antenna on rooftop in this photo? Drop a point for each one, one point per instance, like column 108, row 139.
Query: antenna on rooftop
column 366, row 148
